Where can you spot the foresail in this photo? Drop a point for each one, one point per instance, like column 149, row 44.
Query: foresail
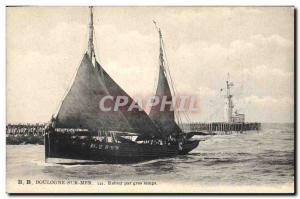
column 80, row 107
column 137, row 118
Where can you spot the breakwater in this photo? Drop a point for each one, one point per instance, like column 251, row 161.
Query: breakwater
column 221, row 127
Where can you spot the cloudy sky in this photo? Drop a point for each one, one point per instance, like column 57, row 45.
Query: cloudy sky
column 255, row 45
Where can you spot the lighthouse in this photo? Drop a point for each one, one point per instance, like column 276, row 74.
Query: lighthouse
column 229, row 117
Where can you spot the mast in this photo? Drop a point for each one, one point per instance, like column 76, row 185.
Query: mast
column 161, row 52
column 90, row 50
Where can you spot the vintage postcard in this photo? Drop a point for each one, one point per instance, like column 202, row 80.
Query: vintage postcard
column 150, row 99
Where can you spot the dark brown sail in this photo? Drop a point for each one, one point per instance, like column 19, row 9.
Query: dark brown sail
column 163, row 116
column 136, row 117
column 80, row 107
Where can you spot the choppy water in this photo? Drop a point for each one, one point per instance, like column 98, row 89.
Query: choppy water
column 264, row 157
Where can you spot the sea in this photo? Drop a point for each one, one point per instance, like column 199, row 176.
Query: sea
column 264, row 157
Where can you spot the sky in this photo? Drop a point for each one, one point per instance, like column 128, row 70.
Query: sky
column 255, row 45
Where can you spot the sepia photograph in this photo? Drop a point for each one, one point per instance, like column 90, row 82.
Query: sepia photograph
column 150, row 99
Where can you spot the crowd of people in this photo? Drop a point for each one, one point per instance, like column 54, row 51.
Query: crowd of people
column 25, row 129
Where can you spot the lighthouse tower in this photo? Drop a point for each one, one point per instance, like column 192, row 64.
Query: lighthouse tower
column 229, row 116
column 228, row 109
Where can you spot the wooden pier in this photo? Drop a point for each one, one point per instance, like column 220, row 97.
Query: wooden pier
column 221, row 127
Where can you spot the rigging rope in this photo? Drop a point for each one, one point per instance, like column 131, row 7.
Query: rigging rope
column 167, row 72
column 173, row 86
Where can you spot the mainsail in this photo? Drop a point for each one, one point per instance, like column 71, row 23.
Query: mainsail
column 80, row 108
column 164, row 116
column 136, row 117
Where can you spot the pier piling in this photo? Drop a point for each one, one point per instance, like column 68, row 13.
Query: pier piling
column 222, row 127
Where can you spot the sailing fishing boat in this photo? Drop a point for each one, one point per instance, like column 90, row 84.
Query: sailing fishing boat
column 81, row 130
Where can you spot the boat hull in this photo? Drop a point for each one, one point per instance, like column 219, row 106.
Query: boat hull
column 62, row 147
